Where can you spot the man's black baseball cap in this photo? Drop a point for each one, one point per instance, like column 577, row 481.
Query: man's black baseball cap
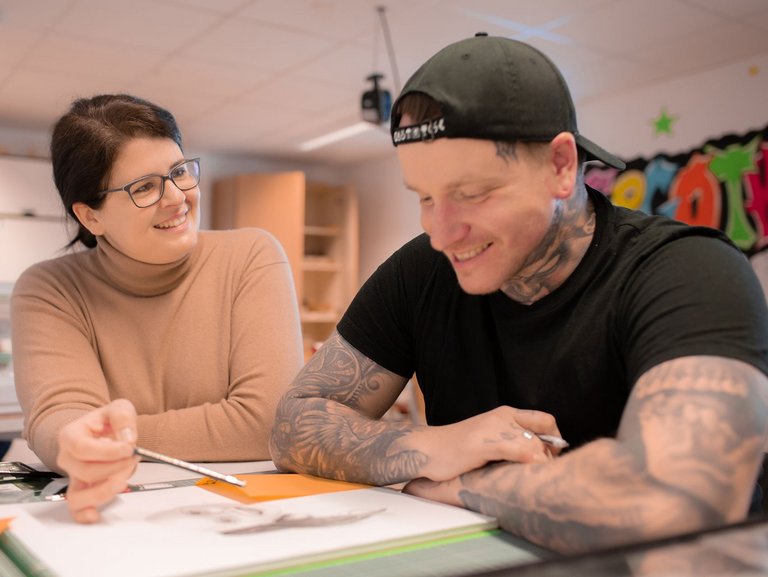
column 494, row 88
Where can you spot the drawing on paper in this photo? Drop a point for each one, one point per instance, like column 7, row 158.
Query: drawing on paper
column 229, row 519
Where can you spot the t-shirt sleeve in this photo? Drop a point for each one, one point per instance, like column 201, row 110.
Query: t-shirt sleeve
column 696, row 296
column 379, row 322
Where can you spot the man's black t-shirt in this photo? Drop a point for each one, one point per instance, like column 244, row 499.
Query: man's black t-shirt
column 649, row 289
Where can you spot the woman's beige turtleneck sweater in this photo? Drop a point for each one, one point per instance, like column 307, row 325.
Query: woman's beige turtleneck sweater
column 203, row 347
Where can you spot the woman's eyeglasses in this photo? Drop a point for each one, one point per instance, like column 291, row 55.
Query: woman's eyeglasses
column 148, row 190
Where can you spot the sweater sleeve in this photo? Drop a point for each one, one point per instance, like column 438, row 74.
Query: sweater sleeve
column 57, row 373
column 265, row 354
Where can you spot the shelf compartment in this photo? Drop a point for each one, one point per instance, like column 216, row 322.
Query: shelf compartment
column 312, row 230
column 319, row 317
column 320, row 265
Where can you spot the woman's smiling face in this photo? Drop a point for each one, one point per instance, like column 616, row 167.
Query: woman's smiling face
column 162, row 233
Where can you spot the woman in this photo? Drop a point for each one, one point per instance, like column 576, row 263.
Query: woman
column 197, row 332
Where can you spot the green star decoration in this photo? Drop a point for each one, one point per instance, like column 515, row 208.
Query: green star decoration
column 663, row 124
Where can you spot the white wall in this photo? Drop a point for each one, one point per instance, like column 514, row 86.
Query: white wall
column 26, row 188
column 724, row 100
column 389, row 213
column 21, row 142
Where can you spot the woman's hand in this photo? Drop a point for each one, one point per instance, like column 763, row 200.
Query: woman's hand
column 96, row 452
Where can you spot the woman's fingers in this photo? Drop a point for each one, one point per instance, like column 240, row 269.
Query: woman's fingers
column 94, row 472
column 96, row 452
column 84, row 499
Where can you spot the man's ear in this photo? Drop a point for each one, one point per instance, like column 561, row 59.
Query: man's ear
column 88, row 217
column 565, row 162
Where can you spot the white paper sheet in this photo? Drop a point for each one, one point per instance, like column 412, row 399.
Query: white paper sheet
column 178, row 532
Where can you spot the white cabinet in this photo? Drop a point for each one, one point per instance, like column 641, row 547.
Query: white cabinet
column 32, row 219
column 26, row 187
column 33, row 227
column 27, row 241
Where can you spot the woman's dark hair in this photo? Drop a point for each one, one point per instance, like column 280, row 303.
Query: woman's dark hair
column 87, row 139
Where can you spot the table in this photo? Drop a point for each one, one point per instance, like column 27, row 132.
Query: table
column 739, row 550
column 480, row 551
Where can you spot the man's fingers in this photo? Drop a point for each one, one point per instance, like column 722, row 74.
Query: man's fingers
column 419, row 486
column 536, row 422
column 522, row 449
column 445, row 491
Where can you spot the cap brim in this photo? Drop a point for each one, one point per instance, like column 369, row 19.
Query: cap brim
column 594, row 152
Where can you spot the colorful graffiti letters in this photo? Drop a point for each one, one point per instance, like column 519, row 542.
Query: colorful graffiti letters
column 724, row 185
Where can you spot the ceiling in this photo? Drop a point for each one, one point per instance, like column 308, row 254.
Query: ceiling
column 259, row 77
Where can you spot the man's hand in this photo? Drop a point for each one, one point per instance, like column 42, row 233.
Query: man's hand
column 442, row 491
column 503, row 434
column 96, row 452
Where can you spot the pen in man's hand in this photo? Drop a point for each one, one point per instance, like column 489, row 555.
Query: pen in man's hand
column 188, row 466
column 551, row 440
column 556, row 442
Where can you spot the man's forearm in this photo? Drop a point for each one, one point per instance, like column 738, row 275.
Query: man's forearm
column 324, row 438
column 686, row 457
column 598, row 496
column 328, row 423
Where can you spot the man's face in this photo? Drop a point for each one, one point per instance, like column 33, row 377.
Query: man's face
column 488, row 213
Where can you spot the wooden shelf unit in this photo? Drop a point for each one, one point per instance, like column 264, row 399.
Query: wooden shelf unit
column 316, row 223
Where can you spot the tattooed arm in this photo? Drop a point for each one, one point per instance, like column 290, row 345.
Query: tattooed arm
column 328, row 425
column 686, row 457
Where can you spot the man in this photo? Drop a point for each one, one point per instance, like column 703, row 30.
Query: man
column 532, row 306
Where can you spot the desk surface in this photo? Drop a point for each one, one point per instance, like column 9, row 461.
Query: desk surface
column 453, row 556
column 737, row 551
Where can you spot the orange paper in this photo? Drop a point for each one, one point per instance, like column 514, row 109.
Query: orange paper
column 5, row 524
column 271, row 486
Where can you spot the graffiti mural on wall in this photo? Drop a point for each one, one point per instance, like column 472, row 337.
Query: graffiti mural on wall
column 723, row 184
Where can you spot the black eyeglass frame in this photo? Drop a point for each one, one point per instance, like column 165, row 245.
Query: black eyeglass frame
column 163, row 178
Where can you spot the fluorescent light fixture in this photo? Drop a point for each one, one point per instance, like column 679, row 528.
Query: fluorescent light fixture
column 336, row 135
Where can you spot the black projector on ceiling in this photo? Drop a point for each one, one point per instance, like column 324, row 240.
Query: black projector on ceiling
column 376, row 103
